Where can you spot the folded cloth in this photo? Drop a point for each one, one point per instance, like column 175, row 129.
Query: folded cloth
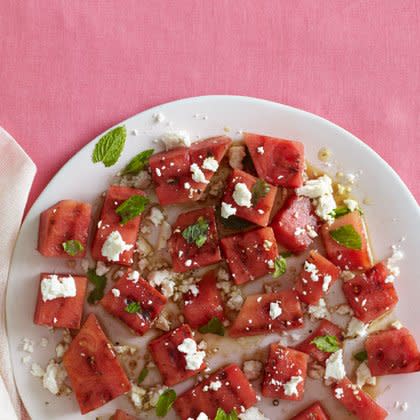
column 17, row 172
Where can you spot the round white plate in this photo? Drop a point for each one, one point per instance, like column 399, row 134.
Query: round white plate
column 392, row 214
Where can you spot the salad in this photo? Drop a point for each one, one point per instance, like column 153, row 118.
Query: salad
column 242, row 212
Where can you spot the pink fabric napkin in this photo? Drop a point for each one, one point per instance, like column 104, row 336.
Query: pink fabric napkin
column 17, row 172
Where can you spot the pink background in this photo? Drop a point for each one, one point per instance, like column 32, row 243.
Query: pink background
column 70, row 69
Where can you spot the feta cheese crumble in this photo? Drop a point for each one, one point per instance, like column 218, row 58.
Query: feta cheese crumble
column 54, row 287
column 397, row 325
column 198, row 174
column 116, row 292
column 156, row 216
column 114, row 246
column 214, row 386
column 242, row 195
column 364, row 376
column 134, row 276
column 260, row 150
column 54, row 377
column 275, row 310
column 252, row 413
column 290, row 387
column 101, row 268
column 352, row 205
column 162, row 279
column 356, row 328
column 326, row 282
column 227, row 210
column 334, row 366
column 321, row 192
column 319, row 310
column 175, row 139
column 397, row 255
column 194, row 359
column 210, row 163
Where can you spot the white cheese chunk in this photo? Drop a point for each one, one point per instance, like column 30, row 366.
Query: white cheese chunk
column 101, row 268
column 114, row 246
column 290, row 387
column 175, row 139
column 227, row 210
column 242, row 195
column 37, row 371
column 54, row 377
column 352, row 205
column 194, row 359
column 397, row 325
column 275, row 310
column 116, row 292
column 364, row 376
column 156, row 216
column 252, row 413
column 319, row 310
column 334, row 366
column 134, row 276
column 214, row 386
column 210, row 163
column 53, row 287
column 356, row 328
column 198, row 174
column 162, row 279
column 326, row 282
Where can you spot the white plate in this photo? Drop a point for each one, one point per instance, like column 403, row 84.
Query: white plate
column 392, row 214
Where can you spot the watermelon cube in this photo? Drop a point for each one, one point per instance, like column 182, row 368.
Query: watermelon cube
column 370, row 294
column 174, row 364
column 172, row 170
column 262, row 200
column 250, row 254
column 67, row 220
column 61, row 312
column 392, row 351
column 189, row 253
column 95, row 373
column 122, row 415
column 357, row 402
column 110, row 223
column 202, row 306
column 344, row 257
column 228, row 389
column 317, row 276
column 285, row 373
column 325, row 328
column 133, row 292
column 314, row 412
column 280, row 162
column 295, row 224
column 258, row 315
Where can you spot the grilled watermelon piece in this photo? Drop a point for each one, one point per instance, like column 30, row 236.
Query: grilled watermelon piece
column 325, row 328
column 61, row 312
column 314, row 412
column 129, row 290
column 370, row 294
column 235, row 393
column 317, row 276
column 122, row 415
column 200, row 308
column 171, row 170
column 357, row 402
column 278, row 161
column 343, row 257
column 285, row 373
column 295, row 224
column 251, row 254
column 170, row 361
column 262, row 201
column 255, row 316
column 95, row 373
column 392, row 351
column 110, row 222
column 187, row 254
column 67, row 220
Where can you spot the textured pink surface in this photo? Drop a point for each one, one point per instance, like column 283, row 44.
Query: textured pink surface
column 70, row 69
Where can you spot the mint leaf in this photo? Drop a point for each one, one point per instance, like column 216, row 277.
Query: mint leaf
column 361, row 356
column 222, row 415
column 286, row 254
column 347, row 236
column 99, row 282
column 142, row 376
column 280, row 266
column 197, row 233
column 73, row 247
column 165, row 401
column 131, row 208
column 339, row 211
column 214, row 326
column 132, row 307
column 138, row 163
column 327, row 343
column 110, row 146
column 259, row 190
